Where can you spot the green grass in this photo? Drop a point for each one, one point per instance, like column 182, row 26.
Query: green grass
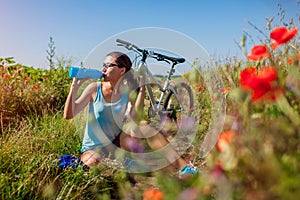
column 28, row 170
column 29, row 147
column 262, row 161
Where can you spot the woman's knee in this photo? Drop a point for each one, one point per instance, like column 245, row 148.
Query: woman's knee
column 90, row 158
column 124, row 141
column 130, row 143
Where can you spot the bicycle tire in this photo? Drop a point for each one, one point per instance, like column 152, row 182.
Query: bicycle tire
column 181, row 103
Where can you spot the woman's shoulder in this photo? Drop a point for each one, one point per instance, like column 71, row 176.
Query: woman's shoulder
column 92, row 86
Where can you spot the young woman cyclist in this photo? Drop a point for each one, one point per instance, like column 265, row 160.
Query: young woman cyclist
column 109, row 102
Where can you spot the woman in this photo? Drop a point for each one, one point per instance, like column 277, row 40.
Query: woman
column 108, row 102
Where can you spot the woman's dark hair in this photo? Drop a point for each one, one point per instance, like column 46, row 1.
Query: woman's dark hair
column 124, row 61
column 121, row 59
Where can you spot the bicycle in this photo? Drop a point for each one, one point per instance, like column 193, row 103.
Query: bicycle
column 173, row 102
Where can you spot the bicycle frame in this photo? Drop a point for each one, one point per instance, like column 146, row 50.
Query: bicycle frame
column 151, row 79
column 143, row 69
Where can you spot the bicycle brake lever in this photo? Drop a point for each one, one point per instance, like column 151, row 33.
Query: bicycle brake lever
column 167, row 61
column 123, row 46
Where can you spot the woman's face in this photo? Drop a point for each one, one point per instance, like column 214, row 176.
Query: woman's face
column 111, row 70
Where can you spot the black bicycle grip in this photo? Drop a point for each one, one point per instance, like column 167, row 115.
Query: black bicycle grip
column 123, row 42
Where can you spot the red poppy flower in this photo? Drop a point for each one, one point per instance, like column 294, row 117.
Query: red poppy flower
column 7, row 76
column 225, row 138
column 293, row 59
column 35, row 87
column 153, row 194
column 260, row 83
column 225, row 90
column 282, row 35
column 26, row 80
column 200, row 88
column 258, row 52
column 213, row 98
column 290, row 61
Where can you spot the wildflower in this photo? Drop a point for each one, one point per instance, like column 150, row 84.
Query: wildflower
column 225, row 139
column 216, row 173
column 26, row 80
column 293, row 59
column 35, row 87
column 153, row 194
column 190, row 193
column 200, row 88
column 217, row 170
column 260, row 83
column 226, row 157
column 225, row 90
column 45, row 78
column 282, row 35
column 187, row 124
column 258, row 52
column 218, row 179
column 7, row 76
column 290, row 61
column 135, row 145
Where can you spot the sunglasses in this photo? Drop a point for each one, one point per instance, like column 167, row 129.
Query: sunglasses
column 109, row 65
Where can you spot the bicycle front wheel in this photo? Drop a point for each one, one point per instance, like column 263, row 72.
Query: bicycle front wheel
column 179, row 103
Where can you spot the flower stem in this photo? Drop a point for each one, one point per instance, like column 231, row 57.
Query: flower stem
column 285, row 107
column 293, row 47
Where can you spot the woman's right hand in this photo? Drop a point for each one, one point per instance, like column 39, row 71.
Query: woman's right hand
column 76, row 83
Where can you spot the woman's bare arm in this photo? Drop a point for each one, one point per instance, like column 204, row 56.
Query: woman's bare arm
column 73, row 106
column 137, row 104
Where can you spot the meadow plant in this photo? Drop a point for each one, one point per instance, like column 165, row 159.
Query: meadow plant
column 27, row 90
column 256, row 156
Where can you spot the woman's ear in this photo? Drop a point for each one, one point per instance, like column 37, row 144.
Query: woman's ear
column 123, row 70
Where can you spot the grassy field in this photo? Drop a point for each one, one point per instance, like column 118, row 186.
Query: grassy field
column 257, row 155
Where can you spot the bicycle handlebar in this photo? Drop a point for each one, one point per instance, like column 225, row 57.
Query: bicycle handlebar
column 128, row 45
column 157, row 56
column 160, row 57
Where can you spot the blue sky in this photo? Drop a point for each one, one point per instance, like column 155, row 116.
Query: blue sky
column 78, row 26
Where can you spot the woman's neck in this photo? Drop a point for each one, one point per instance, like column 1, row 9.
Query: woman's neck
column 110, row 85
column 113, row 87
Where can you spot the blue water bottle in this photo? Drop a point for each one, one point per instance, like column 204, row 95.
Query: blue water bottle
column 81, row 73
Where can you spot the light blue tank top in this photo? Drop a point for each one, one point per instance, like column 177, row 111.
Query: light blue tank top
column 104, row 121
